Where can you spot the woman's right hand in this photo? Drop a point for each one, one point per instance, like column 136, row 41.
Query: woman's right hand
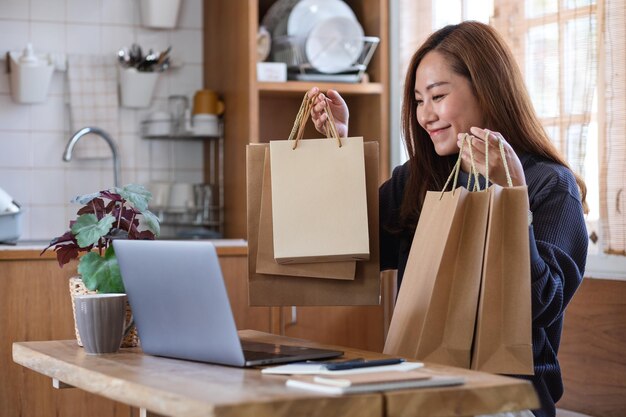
column 337, row 106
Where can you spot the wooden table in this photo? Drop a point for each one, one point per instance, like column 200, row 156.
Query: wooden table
column 182, row 388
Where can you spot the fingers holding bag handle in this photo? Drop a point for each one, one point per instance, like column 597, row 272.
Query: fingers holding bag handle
column 308, row 102
column 495, row 159
column 332, row 101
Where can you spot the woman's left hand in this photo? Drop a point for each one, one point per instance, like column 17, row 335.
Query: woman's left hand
column 497, row 173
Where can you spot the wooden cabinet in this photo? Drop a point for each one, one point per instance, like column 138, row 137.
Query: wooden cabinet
column 260, row 111
column 35, row 305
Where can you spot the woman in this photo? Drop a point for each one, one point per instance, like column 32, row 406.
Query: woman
column 463, row 79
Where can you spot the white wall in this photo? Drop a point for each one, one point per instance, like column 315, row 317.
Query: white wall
column 33, row 137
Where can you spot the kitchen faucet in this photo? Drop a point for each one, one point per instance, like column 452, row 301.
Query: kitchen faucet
column 67, row 154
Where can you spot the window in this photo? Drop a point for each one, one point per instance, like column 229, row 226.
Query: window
column 556, row 45
column 572, row 54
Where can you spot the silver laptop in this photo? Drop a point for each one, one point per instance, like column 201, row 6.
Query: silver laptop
column 181, row 308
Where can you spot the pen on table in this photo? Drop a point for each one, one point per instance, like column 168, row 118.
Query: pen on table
column 362, row 364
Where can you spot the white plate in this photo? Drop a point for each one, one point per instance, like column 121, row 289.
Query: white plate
column 307, row 13
column 334, row 45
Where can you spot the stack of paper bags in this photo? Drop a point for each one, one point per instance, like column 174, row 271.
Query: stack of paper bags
column 313, row 228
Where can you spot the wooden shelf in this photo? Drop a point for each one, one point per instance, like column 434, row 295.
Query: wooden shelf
column 300, row 87
column 260, row 111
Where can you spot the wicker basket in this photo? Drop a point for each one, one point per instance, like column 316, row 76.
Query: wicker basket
column 77, row 287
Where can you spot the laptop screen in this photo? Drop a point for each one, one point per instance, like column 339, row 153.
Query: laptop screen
column 180, row 305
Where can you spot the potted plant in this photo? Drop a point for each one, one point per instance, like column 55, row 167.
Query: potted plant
column 117, row 213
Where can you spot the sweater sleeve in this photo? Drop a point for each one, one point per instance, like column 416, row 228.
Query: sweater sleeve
column 390, row 198
column 558, row 244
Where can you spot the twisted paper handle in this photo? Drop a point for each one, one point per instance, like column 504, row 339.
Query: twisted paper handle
column 297, row 131
column 457, row 167
column 502, row 156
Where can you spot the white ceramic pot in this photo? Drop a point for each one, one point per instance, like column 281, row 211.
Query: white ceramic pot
column 137, row 88
column 159, row 14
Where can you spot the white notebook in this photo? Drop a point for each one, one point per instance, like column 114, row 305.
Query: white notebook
column 302, row 368
column 371, row 382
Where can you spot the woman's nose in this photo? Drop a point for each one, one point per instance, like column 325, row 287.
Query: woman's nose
column 426, row 114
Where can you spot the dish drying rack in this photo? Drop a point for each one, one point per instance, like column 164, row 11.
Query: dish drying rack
column 290, row 50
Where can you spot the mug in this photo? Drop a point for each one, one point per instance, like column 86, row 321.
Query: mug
column 182, row 198
column 207, row 102
column 101, row 321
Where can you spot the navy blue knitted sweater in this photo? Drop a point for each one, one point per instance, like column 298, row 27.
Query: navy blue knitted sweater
column 558, row 250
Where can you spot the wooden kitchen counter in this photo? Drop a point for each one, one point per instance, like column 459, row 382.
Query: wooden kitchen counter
column 31, row 250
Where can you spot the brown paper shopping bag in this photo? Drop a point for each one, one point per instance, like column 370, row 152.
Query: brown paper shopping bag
column 435, row 312
column 265, row 263
column 277, row 290
column 503, row 340
column 319, row 202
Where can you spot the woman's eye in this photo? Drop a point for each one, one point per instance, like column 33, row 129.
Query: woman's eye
column 419, row 102
column 438, row 97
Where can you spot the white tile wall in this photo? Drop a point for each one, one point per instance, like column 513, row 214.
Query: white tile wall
column 33, row 137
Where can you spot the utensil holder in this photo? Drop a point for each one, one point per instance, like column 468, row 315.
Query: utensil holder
column 159, row 14
column 29, row 84
column 137, row 88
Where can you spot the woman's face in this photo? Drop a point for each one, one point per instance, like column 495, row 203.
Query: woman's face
column 446, row 105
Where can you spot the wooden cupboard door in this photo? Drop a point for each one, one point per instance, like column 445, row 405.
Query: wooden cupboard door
column 235, row 271
column 35, row 305
column 363, row 327
column 592, row 349
column 355, row 327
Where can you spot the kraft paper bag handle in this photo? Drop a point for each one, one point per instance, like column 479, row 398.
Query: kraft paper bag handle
column 502, row 156
column 474, row 171
column 297, row 131
column 457, row 167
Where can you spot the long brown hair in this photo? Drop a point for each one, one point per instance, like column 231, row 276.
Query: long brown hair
column 477, row 52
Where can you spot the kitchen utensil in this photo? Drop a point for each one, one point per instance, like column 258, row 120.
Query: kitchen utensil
column 164, row 55
column 123, row 57
column 135, row 53
column 148, row 62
